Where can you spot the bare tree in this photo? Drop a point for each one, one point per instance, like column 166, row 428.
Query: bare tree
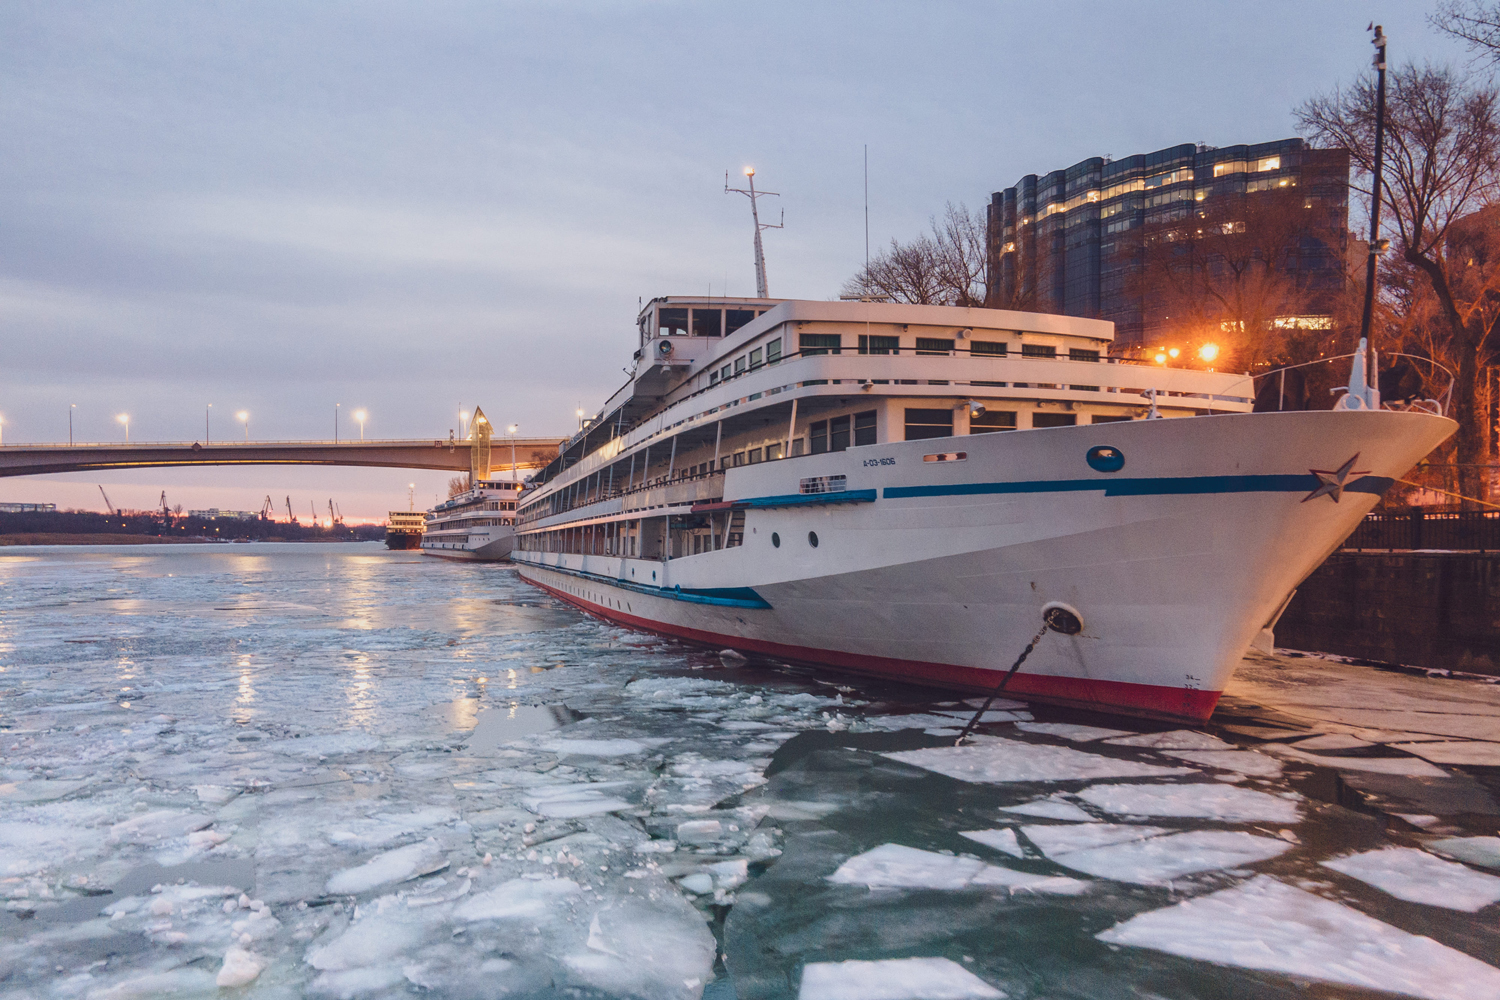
column 1472, row 21
column 457, row 485
column 945, row 268
column 1442, row 153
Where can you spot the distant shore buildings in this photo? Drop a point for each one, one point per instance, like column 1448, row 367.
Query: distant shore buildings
column 1074, row 241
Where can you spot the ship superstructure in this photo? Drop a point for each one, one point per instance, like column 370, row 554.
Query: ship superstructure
column 905, row 490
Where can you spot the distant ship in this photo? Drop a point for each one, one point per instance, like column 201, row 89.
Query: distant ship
column 913, row 491
column 477, row 524
column 403, row 528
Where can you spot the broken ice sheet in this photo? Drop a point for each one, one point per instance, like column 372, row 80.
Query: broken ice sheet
column 1155, row 860
column 1177, row 739
column 1240, row 761
column 1418, row 877
column 1483, row 851
column 994, row 760
column 1003, row 840
column 1068, row 731
column 1052, row 807
column 574, row 800
column 1228, row 803
column 1266, row 925
column 385, row 869
column 893, row 979
column 895, row 866
column 1462, row 753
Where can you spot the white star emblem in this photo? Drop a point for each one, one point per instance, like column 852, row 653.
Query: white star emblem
column 1331, row 484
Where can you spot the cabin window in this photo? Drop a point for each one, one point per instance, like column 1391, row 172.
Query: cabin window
column 987, row 349
column 820, row 343
column 724, row 372
column 879, row 345
column 773, row 451
column 922, row 424
column 1101, row 418
column 739, row 364
column 932, row 345
column 993, row 420
column 864, row 428
column 736, row 318
column 1038, row 351
column 671, row 322
column 1082, row 354
column 773, row 352
column 838, row 433
column 818, row 432
column 755, row 358
column 1054, row 419
column 713, row 378
column 739, row 459
column 707, row 322
column 752, row 457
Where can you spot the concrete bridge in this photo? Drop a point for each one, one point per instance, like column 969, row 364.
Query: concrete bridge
column 479, row 457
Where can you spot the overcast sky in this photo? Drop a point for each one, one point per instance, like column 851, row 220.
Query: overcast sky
column 416, row 207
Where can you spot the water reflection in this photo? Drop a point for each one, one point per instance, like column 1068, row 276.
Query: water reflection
column 359, row 692
column 245, row 697
column 501, row 725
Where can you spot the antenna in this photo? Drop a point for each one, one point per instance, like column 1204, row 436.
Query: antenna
column 867, row 208
column 760, row 254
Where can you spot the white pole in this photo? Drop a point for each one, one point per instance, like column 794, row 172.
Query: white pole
column 718, row 436
column 791, row 430
column 760, row 256
column 672, row 462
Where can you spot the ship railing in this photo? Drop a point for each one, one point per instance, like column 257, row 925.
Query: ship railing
column 1411, row 404
column 659, row 491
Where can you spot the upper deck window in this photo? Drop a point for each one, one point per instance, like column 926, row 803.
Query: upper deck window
column 773, row 352
column 1038, row 351
column 755, row 358
column 922, row 424
column 880, row 345
column 739, row 364
column 932, row 345
column 707, row 322
column 1082, row 354
column 987, row 348
column 820, row 343
column 736, row 318
column 671, row 322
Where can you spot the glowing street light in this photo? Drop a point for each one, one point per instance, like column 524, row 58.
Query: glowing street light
column 244, row 417
column 749, row 171
column 360, row 415
column 1161, row 357
column 124, row 418
column 1208, row 352
column 580, row 418
column 1172, row 352
column 463, row 422
column 511, row 430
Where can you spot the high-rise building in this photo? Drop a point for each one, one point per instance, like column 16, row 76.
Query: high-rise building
column 1071, row 241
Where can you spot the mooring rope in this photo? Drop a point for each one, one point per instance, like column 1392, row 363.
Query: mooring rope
column 1003, row 681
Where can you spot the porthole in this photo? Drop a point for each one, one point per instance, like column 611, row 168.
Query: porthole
column 812, row 539
column 1104, row 458
column 775, row 540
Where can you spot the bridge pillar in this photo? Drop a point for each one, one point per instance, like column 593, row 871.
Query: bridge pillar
column 479, row 449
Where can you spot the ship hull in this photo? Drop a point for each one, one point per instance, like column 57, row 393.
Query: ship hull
column 403, row 540
column 938, row 571
column 479, row 548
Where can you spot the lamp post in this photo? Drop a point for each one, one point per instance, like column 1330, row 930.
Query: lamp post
column 511, row 430
column 206, row 412
column 580, row 418
column 336, row 422
column 244, row 418
column 71, row 408
column 360, row 416
column 124, row 418
column 463, row 424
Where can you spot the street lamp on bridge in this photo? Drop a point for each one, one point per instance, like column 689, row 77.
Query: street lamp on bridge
column 511, row 430
column 463, row 424
column 244, row 417
column 360, row 416
column 124, row 418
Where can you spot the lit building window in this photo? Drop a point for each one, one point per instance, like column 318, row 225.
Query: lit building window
column 1268, row 163
column 1303, row 323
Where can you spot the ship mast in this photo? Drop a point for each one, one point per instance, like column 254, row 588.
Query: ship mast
column 760, row 254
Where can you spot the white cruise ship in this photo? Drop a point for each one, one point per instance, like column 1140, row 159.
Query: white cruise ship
column 478, row 523
column 907, row 491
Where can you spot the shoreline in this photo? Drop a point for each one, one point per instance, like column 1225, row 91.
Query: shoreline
column 65, row 538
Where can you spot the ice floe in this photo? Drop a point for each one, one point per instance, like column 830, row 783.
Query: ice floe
column 386, row 869
column 1177, row 739
column 1052, row 807
column 1069, row 731
column 1411, row 767
column 1462, row 753
column 1484, row 851
column 1155, row 860
column 518, row 899
column 575, row 800
column 996, row 760
column 1056, row 840
column 895, row 866
column 1228, row 803
column 1002, row 839
column 1418, row 877
column 1266, row 925
column 893, row 979
column 1240, row 761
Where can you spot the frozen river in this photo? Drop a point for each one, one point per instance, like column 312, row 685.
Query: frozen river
column 335, row 771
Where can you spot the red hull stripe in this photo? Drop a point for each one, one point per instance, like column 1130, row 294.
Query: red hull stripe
column 1107, row 696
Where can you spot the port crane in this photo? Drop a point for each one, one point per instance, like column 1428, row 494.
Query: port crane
column 290, row 517
column 166, row 512
column 109, row 508
column 267, row 509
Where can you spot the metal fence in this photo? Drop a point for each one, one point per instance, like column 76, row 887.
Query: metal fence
column 1427, row 529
